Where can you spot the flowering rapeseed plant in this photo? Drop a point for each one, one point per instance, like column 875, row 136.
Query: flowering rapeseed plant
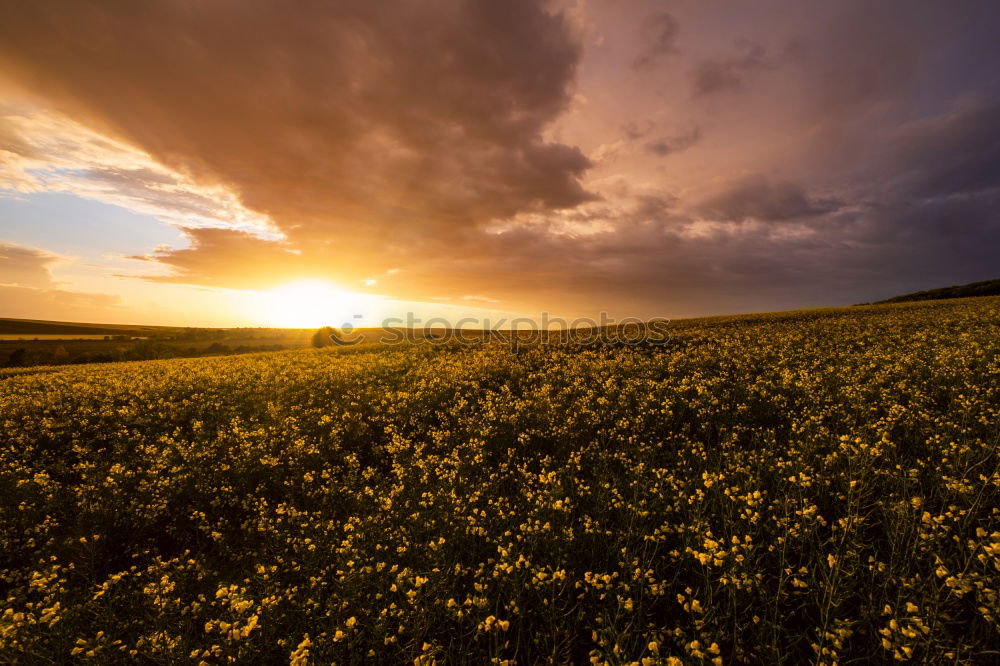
column 815, row 487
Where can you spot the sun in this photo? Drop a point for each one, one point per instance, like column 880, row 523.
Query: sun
column 311, row 304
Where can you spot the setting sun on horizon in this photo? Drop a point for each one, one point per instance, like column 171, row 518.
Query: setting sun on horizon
column 311, row 304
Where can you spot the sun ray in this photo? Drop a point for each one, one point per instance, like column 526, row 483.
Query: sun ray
column 310, row 304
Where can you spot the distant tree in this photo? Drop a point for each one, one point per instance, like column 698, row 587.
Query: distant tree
column 330, row 337
column 321, row 338
column 60, row 355
column 102, row 357
column 145, row 350
column 17, row 358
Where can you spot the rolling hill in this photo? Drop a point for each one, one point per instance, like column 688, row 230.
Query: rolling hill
column 984, row 288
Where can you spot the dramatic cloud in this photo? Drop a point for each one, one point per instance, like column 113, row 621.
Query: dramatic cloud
column 658, row 34
column 956, row 153
column 24, row 266
column 45, row 151
column 672, row 144
column 228, row 258
column 428, row 116
column 759, row 199
column 26, row 285
column 633, row 130
column 713, row 76
column 563, row 155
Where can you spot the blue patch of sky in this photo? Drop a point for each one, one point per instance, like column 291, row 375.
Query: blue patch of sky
column 70, row 225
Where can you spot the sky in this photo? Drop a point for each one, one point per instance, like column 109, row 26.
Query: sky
column 265, row 162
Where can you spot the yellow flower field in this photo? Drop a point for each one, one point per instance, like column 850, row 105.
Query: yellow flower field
column 808, row 487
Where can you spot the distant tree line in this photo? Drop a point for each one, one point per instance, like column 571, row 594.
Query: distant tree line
column 141, row 350
column 984, row 288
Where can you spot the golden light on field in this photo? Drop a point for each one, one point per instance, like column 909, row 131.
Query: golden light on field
column 311, row 304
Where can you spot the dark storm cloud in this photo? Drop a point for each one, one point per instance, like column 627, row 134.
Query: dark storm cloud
column 713, row 76
column 664, row 146
column 731, row 73
column 644, row 264
column 634, row 130
column 934, row 214
column 760, row 199
column 658, row 34
column 325, row 116
column 892, row 186
column 956, row 153
column 653, row 261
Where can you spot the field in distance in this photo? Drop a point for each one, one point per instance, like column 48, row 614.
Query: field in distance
column 26, row 343
column 806, row 487
column 31, row 343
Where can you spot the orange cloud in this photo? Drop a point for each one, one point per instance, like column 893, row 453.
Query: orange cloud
column 45, row 151
column 27, row 287
column 360, row 126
